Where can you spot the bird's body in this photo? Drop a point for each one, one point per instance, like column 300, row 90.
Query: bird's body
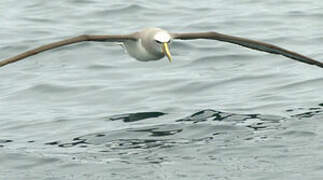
column 151, row 44
column 139, row 52
column 146, row 48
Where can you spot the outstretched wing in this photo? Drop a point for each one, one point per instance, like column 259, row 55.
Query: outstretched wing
column 257, row 45
column 104, row 38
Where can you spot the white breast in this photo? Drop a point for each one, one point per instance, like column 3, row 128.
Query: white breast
column 138, row 51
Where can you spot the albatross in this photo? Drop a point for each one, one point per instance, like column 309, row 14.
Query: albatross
column 152, row 44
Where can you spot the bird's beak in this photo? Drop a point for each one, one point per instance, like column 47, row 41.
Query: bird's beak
column 166, row 51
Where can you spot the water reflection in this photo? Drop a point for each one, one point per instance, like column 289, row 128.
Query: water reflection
column 201, row 127
column 131, row 117
column 301, row 113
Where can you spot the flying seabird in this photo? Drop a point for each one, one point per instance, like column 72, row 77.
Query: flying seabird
column 152, row 44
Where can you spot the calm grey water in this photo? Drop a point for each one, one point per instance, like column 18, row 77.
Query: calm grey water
column 219, row 111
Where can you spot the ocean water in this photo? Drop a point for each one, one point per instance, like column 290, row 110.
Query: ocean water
column 219, row 111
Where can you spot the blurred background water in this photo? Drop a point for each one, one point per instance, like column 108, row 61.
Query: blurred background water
column 219, row 111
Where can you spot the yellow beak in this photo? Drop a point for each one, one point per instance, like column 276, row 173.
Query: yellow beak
column 166, row 51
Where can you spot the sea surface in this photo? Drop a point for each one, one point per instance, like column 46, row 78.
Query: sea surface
column 217, row 112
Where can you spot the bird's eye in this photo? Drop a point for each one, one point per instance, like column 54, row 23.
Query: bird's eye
column 158, row 42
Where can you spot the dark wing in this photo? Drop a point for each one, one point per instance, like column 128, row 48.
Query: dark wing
column 103, row 38
column 257, row 45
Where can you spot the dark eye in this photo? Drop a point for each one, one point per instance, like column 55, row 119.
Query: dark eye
column 158, row 42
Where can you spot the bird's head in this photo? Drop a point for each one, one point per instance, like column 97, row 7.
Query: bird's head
column 163, row 39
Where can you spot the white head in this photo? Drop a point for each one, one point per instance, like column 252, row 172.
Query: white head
column 163, row 38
